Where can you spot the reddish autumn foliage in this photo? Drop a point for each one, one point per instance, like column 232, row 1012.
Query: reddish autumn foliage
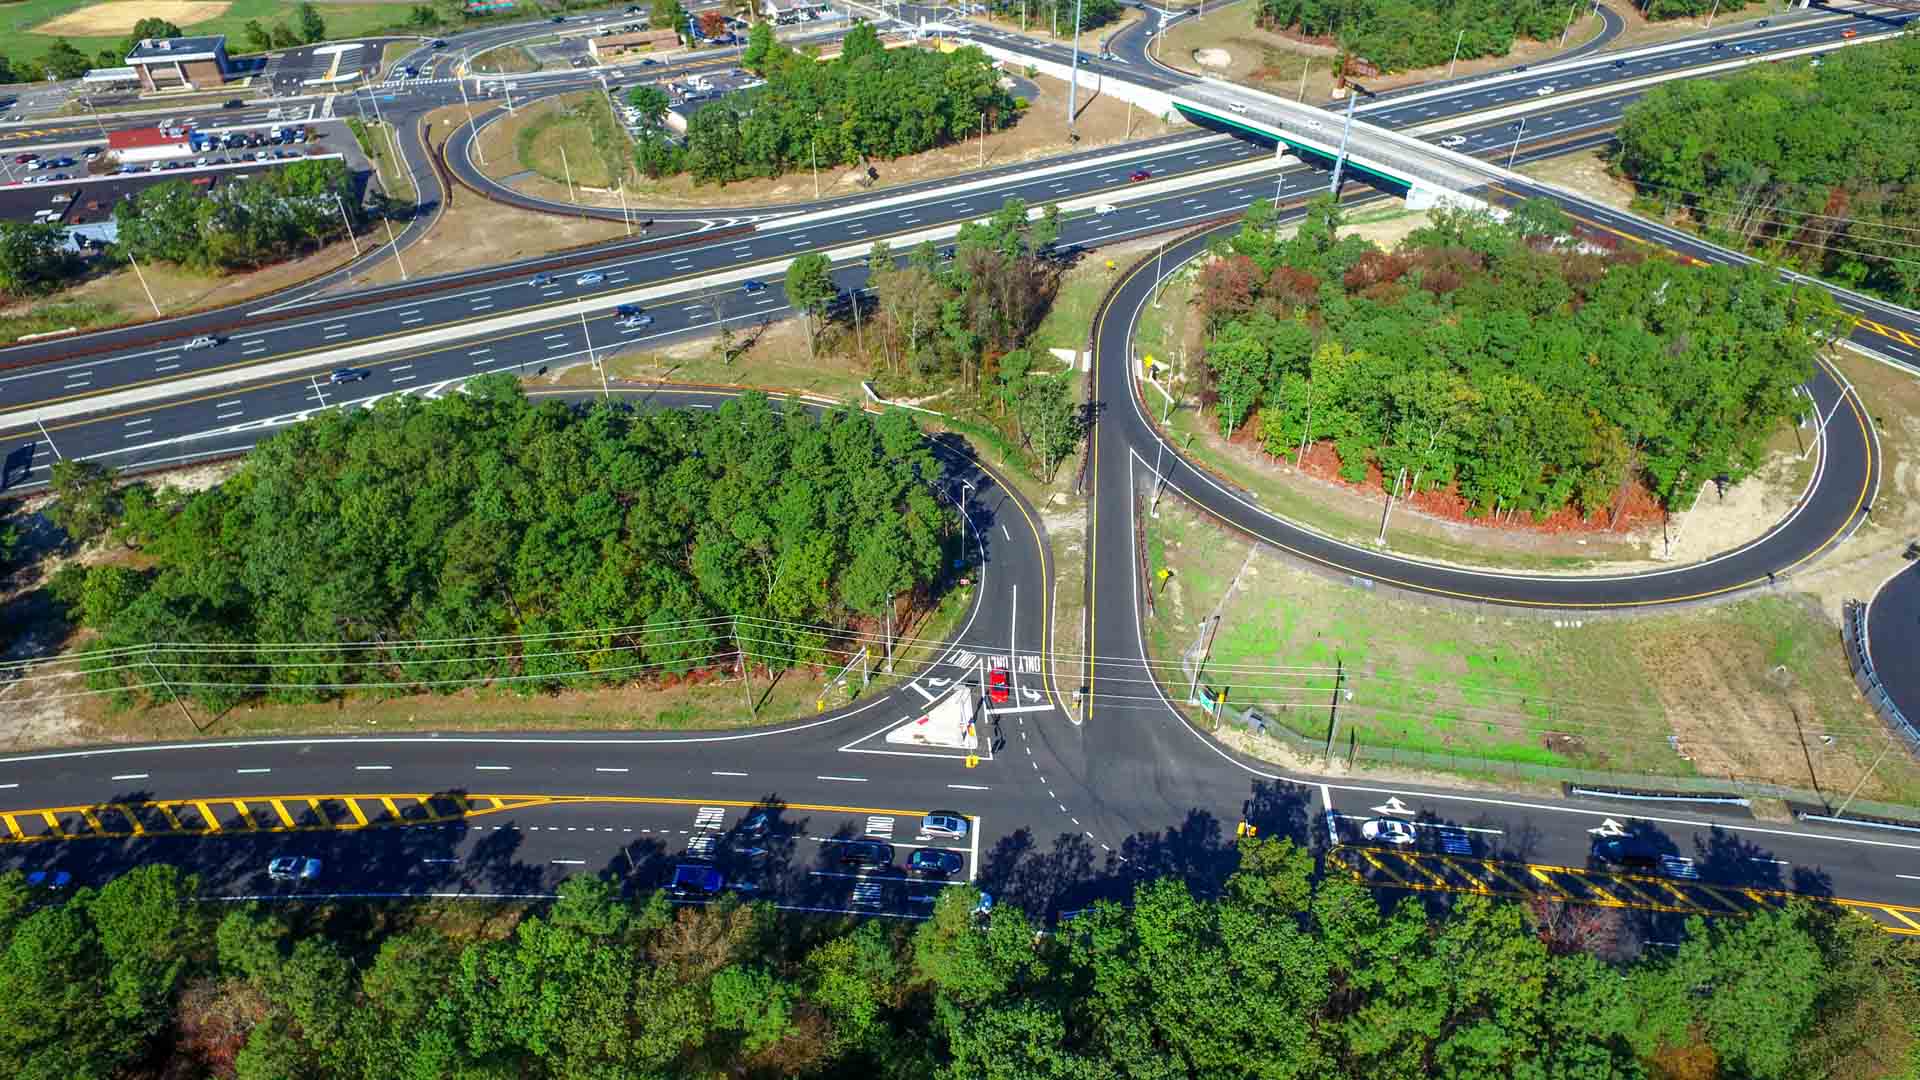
column 1227, row 287
column 1375, row 268
column 1293, row 286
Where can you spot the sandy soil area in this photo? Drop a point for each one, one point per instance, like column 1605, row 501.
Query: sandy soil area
column 104, row 20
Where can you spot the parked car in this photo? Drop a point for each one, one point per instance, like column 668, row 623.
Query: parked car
column 591, row 277
column 695, row 881
column 946, row 824
column 932, row 862
column 1387, row 831
column 866, row 854
column 293, row 868
column 348, row 374
column 204, row 341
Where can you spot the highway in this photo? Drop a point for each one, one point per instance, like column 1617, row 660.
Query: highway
column 1068, row 806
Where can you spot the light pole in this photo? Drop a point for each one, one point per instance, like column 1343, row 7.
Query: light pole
column 1073, row 90
column 1572, row 14
column 395, row 245
column 605, row 394
column 143, row 282
column 1711, row 13
column 348, row 222
column 473, row 136
column 1457, row 39
column 1518, row 129
column 1354, row 90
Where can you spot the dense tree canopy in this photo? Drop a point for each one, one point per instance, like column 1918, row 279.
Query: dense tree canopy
column 1401, row 34
column 594, row 543
column 1280, row 977
column 240, row 224
column 1816, row 166
column 870, row 102
column 1528, row 372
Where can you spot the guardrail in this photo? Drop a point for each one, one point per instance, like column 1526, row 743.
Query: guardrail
column 1853, row 636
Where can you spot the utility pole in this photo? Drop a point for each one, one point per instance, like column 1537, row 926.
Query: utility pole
column 175, row 696
column 1863, row 780
column 605, row 394
column 888, row 666
column 472, row 136
column 625, row 219
column 1712, row 13
column 983, row 137
column 348, row 222
column 1333, row 720
column 1457, row 39
column 143, row 282
column 740, row 654
column 1073, row 91
column 1305, row 66
column 1571, row 15
column 1388, row 513
column 395, row 245
column 568, row 170
column 1354, row 90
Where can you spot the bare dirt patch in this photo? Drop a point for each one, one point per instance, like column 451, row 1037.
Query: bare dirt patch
column 121, row 16
column 1586, row 172
column 1040, row 134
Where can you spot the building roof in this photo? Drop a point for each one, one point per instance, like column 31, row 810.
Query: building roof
column 639, row 37
column 130, row 138
column 167, row 50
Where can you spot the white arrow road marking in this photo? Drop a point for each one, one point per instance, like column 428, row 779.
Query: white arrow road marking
column 1393, row 806
column 1609, row 827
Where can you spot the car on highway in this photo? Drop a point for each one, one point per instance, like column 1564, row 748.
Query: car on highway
column 204, row 341
column 695, row 881
column 1619, row 63
column 946, row 824
column 997, row 685
column 437, row 44
column 348, row 374
column 628, row 311
column 866, row 854
column 232, row 103
column 1235, row 106
column 1632, row 852
column 1138, row 175
column 591, row 277
column 49, row 879
column 541, row 281
column 752, row 286
column 1452, row 141
column 1764, row 22
column 635, row 322
column 1849, row 33
column 934, row 863
column 1387, row 831
column 24, row 159
column 1544, row 91
column 293, row 868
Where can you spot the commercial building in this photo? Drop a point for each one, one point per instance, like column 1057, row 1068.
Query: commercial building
column 197, row 63
column 611, row 48
column 146, row 144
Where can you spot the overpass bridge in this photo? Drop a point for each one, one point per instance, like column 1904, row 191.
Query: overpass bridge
column 1429, row 176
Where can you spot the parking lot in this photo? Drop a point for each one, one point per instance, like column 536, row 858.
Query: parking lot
column 92, row 200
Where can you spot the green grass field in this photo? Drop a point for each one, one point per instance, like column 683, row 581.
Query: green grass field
column 1746, row 689
column 22, row 42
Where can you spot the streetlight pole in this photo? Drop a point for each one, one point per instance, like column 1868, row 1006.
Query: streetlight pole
column 395, row 245
column 1457, row 39
column 348, row 222
column 1305, row 66
column 1572, row 14
column 143, row 283
column 1073, row 91
column 568, row 169
column 473, row 135
column 1711, row 13
column 1518, row 129
column 1354, row 90
column 605, row 394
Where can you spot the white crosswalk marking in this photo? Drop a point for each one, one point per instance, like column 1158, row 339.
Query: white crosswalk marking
column 710, row 817
column 700, row 846
column 880, row 825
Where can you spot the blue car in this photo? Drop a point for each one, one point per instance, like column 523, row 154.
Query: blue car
column 752, row 286
column 695, row 881
column 591, row 277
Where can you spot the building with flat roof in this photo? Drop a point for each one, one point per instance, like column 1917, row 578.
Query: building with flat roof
column 145, row 144
column 171, row 63
column 610, row 47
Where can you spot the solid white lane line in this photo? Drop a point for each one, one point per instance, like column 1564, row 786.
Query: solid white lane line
column 844, row 779
column 131, row 776
column 605, row 768
column 249, row 771
column 494, row 768
column 372, row 768
column 969, row 787
column 9, row 785
column 720, row 772
column 569, row 862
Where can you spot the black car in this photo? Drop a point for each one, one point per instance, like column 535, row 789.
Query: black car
column 232, row 103
column 627, row 311
column 1619, row 63
column 348, row 374
column 438, row 44
column 866, row 854
column 1632, row 852
column 933, row 862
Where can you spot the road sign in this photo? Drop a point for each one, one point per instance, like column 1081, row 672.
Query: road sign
column 1609, row 827
column 1393, row 806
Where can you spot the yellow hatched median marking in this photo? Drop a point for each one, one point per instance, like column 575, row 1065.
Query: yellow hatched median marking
column 359, row 816
column 286, row 819
column 208, row 816
column 13, row 827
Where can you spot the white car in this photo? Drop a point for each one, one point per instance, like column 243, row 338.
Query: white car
column 202, row 342
column 1543, row 91
column 292, row 868
column 1387, row 831
column 1237, row 107
column 1452, row 141
column 947, row 824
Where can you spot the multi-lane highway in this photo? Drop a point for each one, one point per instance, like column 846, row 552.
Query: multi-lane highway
column 1069, row 803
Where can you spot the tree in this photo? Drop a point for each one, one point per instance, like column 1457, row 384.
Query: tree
column 85, row 500
column 810, row 289
column 712, row 23
column 257, row 36
column 283, row 37
column 33, row 257
column 63, row 61
column 669, row 15
column 312, row 27
column 759, row 44
column 651, row 101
